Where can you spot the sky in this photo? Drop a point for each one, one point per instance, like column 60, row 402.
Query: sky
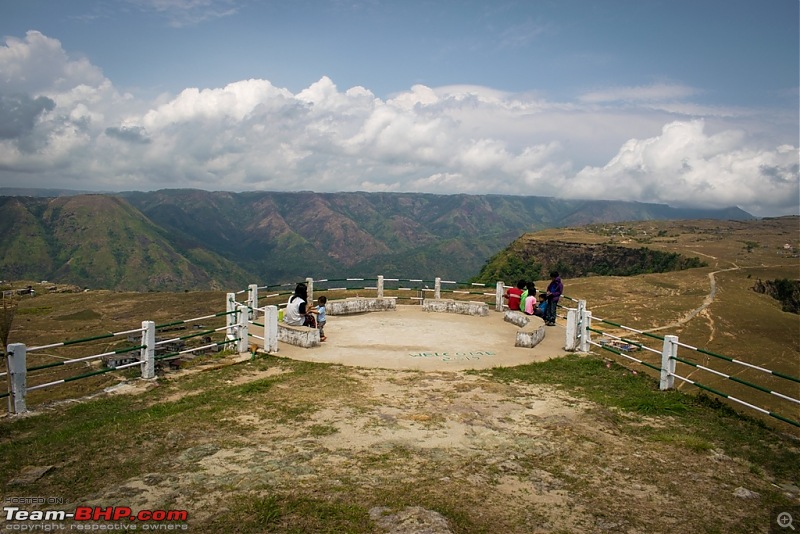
column 690, row 103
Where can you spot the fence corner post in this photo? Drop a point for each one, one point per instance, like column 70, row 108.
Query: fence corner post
column 230, row 308
column 571, row 337
column 668, row 354
column 380, row 286
column 498, row 304
column 437, row 288
column 271, row 329
column 252, row 301
column 16, row 359
column 584, row 333
column 147, row 354
column 244, row 338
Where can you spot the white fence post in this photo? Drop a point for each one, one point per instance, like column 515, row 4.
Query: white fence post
column 586, row 323
column 230, row 307
column 499, row 292
column 437, row 288
column 16, row 359
column 244, row 339
column 668, row 354
column 310, row 285
column 380, row 286
column 252, row 301
column 147, row 354
column 571, row 339
column 271, row 329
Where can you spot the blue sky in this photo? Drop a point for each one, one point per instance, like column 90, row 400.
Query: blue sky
column 688, row 103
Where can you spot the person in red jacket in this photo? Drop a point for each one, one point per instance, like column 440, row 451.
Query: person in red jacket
column 513, row 295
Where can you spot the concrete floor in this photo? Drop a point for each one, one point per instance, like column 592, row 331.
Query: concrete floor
column 409, row 338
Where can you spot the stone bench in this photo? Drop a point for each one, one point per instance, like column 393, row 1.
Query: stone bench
column 480, row 309
column 301, row 336
column 532, row 328
column 359, row 305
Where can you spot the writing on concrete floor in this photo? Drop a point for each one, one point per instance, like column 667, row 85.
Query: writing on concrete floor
column 453, row 356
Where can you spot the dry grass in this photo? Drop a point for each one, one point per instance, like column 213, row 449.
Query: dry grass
column 576, row 444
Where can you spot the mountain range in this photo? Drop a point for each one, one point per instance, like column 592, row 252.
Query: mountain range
column 179, row 239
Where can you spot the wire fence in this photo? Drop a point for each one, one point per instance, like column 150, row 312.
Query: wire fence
column 667, row 361
column 140, row 345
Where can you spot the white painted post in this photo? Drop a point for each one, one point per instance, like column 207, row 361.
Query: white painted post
column 499, row 292
column 310, row 284
column 668, row 354
column 271, row 329
column 230, row 307
column 380, row 286
column 244, row 339
column 586, row 323
column 147, row 354
column 571, row 339
column 16, row 360
column 578, row 333
column 252, row 301
column 437, row 288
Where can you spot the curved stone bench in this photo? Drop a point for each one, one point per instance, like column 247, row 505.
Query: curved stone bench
column 359, row 305
column 480, row 309
column 301, row 336
column 532, row 328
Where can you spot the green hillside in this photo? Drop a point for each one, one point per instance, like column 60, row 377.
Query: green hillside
column 191, row 239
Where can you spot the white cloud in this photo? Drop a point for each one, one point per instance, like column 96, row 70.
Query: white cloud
column 646, row 93
column 686, row 167
column 182, row 13
column 73, row 129
column 39, row 65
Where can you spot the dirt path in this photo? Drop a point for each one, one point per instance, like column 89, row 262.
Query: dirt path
column 707, row 301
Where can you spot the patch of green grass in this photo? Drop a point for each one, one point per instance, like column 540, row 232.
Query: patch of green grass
column 592, row 378
column 83, row 315
column 322, row 430
column 251, row 388
column 289, row 514
column 285, row 413
column 698, row 422
column 689, row 441
column 37, row 310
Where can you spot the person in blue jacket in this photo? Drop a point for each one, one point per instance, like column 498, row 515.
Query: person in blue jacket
column 554, row 291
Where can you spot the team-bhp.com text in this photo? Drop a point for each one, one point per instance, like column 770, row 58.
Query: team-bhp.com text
column 122, row 518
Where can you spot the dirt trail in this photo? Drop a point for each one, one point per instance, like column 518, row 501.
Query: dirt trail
column 707, row 301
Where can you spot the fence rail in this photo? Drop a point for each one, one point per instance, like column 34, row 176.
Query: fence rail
column 579, row 330
column 241, row 315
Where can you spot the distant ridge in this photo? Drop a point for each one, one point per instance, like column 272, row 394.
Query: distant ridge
column 35, row 192
column 176, row 239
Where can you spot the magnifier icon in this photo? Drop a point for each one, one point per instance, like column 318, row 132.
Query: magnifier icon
column 785, row 520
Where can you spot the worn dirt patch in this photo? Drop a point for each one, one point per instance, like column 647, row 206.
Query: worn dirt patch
column 517, row 457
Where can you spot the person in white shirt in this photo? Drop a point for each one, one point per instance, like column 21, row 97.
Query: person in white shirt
column 296, row 313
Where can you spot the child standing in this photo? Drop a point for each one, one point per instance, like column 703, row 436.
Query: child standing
column 321, row 316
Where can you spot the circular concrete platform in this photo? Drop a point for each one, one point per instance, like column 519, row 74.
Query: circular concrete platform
column 409, row 338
